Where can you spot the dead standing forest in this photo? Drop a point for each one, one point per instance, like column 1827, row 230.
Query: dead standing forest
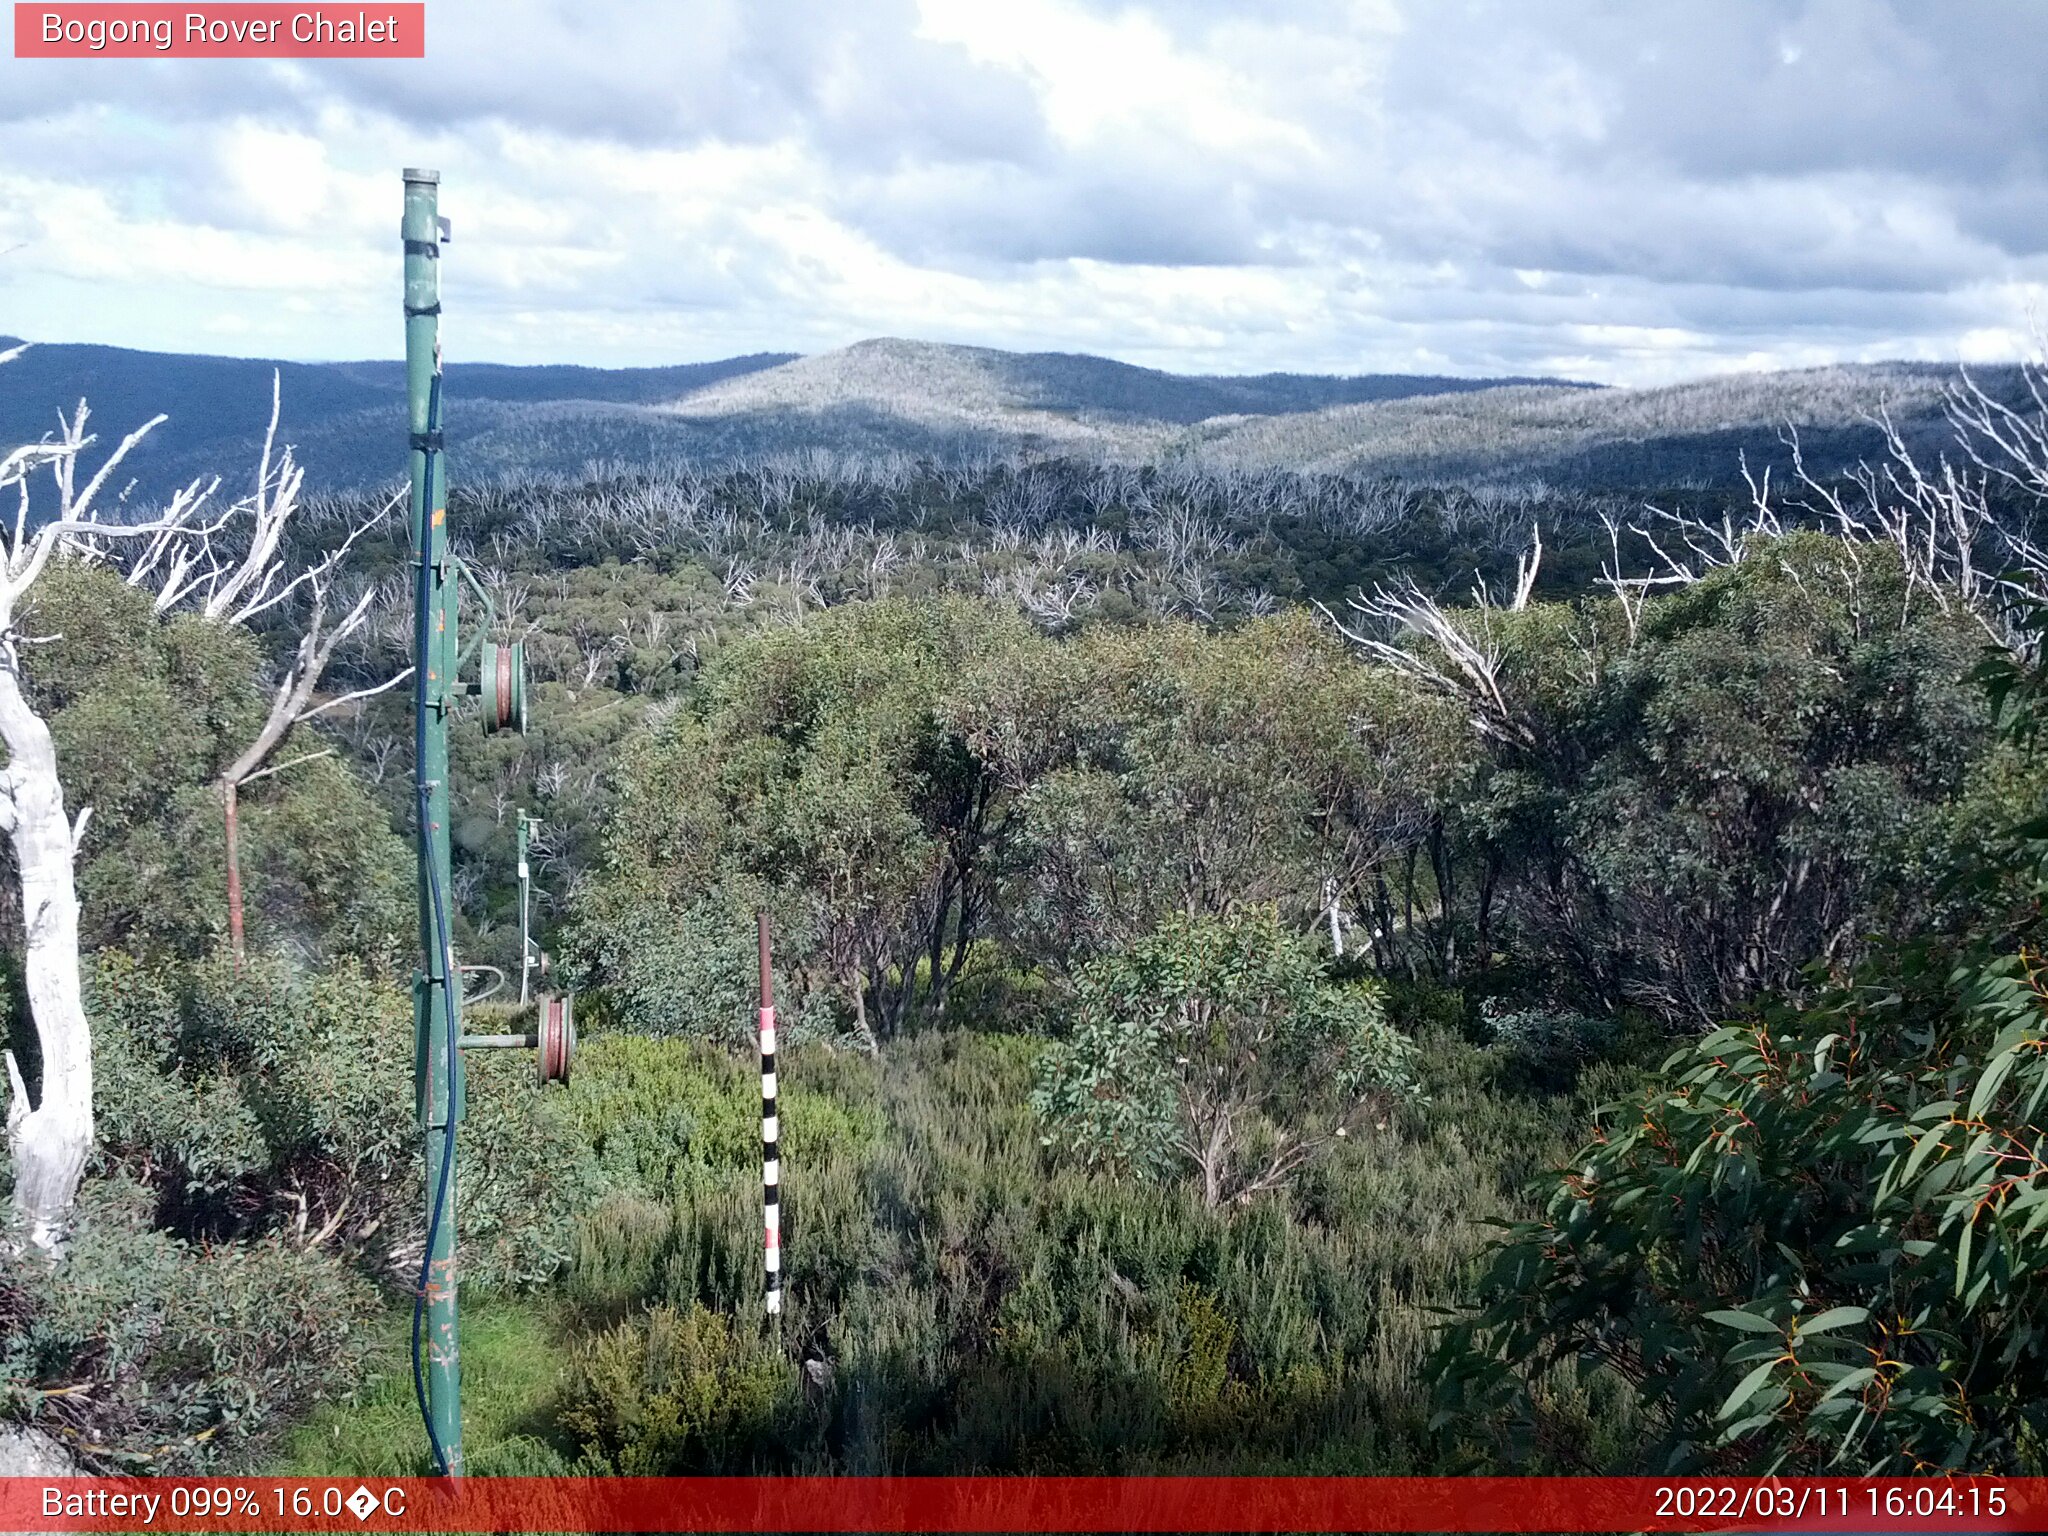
column 1281, row 971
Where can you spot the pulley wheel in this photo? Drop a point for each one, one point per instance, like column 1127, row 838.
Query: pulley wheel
column 557, row 1036
column 504, row 686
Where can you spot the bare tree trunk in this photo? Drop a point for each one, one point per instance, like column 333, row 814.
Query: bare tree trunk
column 860, row 1016
column 51, row 1140
column 1212, row 1154
column 289, row 705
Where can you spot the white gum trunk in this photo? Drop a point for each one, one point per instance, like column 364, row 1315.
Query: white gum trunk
column 50, row 1140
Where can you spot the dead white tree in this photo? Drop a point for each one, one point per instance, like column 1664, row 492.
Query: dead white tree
column 50, row 1136
column 1941, row 518
column 235, row 571
column 1461, row 655
column 291, row 703
column 1630, row 592
column 231, row 567
column 1954, row 547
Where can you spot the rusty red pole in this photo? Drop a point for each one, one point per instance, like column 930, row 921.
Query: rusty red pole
column 234, row 871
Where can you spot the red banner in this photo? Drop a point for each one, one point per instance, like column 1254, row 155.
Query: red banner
column 1049, row 1504
column 240, row 31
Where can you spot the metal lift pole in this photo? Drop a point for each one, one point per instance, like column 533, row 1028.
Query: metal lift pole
column 437, row 987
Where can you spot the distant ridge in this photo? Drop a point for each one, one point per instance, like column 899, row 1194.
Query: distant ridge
column 347, row 418
column 1612, row 437
column 943, row 401
column 933, row 380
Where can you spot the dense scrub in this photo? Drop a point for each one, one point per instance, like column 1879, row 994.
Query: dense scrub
column 1064, row 801
column 628, row 585
column 1761, row 771
column 146, row 712
column 1816, row 1239
column 963, row 1298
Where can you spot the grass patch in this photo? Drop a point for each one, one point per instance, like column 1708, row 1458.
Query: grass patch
column 512, row 1372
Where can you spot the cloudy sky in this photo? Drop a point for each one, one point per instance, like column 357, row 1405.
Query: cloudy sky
column 1634, row 191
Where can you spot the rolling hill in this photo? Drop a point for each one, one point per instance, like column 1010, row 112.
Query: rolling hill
column 1610, row 437
column 884, row 395
column 928, row 399
column 347, row 418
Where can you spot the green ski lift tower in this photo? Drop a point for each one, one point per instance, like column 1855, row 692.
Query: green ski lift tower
column 500, row 679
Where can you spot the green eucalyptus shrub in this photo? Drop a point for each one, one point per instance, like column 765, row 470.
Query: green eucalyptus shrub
column 145, row 1353
column 255, row 1098
column 1818, row 1238
column 270, row 1099
column 689, row 973
column 1549, row 1044
column 1815, row 1242
column 528, row 1174
column 145, row 713
column 1218, row 1045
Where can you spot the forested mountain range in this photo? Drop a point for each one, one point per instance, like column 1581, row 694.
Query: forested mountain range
column 952, row 403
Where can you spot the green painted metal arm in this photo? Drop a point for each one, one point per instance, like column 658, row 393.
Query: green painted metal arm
column 490, row 622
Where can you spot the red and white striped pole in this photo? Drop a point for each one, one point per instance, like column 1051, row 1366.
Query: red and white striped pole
column 771, row 1162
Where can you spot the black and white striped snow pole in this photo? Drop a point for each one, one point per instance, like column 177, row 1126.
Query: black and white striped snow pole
column 771, row 1162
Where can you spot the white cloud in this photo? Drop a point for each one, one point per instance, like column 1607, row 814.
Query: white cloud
column 1476, row 186
column 1104, row 79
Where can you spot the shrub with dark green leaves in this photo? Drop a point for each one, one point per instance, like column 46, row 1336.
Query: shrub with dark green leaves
column 270, row 1099
column 1819, row 1239
column 528, row 1175
column 691, row 973
column 1219, row 1046
column 256, row 1098
column 145, row 713
column 1815, row 1243
column 146, row 1353
column 1550, row 1044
